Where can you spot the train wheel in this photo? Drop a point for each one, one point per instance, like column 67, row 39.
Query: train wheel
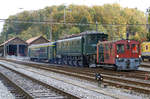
column 59, row 61
column 63, row 63
column 77, row 63
column 68, row 62
column 115, row 68
column 73, row 63
column 80, row 63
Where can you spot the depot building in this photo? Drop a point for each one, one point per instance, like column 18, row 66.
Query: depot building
column 14, row 46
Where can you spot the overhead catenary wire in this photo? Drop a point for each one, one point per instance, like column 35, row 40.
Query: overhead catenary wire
column 66, row 23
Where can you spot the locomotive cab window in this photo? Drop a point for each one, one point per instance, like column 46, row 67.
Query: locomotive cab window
column 120, row 48
column 134, row 48
column 146, row 47
column 91, row 39
column 128, row 46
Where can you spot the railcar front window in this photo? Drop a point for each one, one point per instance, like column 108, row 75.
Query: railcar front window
column 146, row 47
column 128, row 46
column 134, row 48
column 120, row 48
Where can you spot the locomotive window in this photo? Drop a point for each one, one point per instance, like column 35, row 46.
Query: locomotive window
column 120, row 48
column 146, row 47
column 134, row 48
column 128, row 46
column 110, row 46
column 106, row 47
column 92, row 37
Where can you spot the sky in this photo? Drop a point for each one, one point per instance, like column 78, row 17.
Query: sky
column 11, row 7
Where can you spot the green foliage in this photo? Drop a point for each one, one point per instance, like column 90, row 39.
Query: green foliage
column 106, row 16
column 74, row 30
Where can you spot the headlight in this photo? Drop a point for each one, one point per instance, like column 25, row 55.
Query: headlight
column 117, row 56
column 139, row 56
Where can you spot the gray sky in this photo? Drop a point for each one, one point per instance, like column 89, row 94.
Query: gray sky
column 11, row 7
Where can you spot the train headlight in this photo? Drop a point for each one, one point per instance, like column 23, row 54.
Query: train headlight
column 139, row 56
column 117, row 56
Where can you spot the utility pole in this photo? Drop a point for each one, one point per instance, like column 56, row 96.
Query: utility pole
column 96, row 26
column 66, row 9
column 51, row 28
column 64, row 14
column 51, row 32
column 147, row 23
column 5, row 39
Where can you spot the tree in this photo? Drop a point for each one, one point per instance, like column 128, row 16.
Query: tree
column 74, row 30
column 110, row 17
column 83, row 21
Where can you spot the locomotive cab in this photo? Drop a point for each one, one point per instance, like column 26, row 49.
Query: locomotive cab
column 127, row 55
column 120, row 55
column 90, row 46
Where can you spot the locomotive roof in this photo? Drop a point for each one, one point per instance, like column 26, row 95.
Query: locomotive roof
column 117, row 41
column 42, row 45
column 84, row 33
column 68, row 39
column 91, row 32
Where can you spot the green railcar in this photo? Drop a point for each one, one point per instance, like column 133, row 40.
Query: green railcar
column 40, row 52
column 79, row 50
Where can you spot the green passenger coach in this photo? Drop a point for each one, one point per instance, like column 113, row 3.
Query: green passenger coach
column 79, row 50
column 41, row 52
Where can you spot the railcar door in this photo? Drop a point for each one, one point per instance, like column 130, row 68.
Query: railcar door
column 128, row 49
column 101, row 53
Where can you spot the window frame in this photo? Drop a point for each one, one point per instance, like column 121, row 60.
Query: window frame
column 120, row 52
column 137, row 48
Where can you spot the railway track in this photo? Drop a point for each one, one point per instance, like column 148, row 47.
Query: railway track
column 145, row 64
column 14, row 89
column 88, row 74
column 32, row 88
column 90, row 88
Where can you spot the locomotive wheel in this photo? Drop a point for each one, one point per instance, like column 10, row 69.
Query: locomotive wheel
column 76, row 62
column 73, row 63
column 80, row 63
column 65, row 62
column 115, row 68
column 68, row 62
column 59, row 61
column 62, row 62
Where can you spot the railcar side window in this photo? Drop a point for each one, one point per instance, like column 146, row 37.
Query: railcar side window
column 146, row 47
column 106, row 47
column 134, row 48
column 120, row 48
column 128, row 46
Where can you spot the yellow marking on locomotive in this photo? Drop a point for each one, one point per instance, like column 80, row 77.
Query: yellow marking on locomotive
column 145, row 47
column 41, row 46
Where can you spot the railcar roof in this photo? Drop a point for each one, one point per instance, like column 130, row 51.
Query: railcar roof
column 91, row 32
column 117, row 41
column 44, row 44
column 84, row 33
column 69, row 39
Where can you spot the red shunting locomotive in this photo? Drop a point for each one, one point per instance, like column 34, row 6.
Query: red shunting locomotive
column 120, row 55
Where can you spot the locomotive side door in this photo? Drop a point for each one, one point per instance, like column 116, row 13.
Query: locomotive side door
column 101, row 53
